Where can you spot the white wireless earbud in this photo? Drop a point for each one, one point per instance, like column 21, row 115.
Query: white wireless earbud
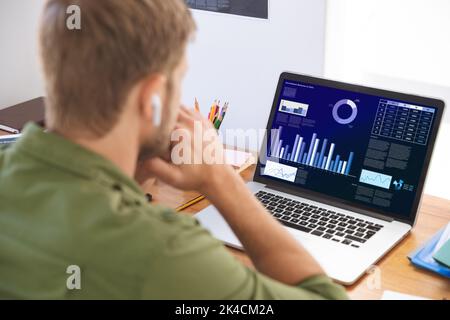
column 157, row 109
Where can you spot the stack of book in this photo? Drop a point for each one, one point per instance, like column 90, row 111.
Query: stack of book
column 7, row 140
column 435, row 254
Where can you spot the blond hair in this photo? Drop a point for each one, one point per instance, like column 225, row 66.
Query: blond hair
column 89, row 72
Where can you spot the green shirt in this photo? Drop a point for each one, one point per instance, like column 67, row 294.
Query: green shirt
column 62, row 205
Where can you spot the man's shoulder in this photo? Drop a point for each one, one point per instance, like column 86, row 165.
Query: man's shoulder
column 160, row 225
column 132, row 219
column 3, row 148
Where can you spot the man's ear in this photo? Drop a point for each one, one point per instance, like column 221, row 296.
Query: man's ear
column 150, row 106
column 157, row 110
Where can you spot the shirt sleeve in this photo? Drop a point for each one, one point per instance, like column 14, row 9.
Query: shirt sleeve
column 194, row 265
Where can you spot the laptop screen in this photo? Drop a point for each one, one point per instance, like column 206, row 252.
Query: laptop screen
column 364, row 149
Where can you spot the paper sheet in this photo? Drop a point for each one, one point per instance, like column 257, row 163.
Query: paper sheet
column 392, row 295
column 237, row 158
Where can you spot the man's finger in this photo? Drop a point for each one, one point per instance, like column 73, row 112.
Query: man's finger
column 165, row 171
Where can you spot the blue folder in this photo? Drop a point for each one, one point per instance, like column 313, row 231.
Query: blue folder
column 423, row 257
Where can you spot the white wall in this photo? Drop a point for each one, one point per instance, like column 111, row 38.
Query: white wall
column 19, row 68
column 240, row 59
column 385, row 43
column 400, row 45
column 233, row 58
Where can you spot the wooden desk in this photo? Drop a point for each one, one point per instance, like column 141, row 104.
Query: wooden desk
column 396, row 273
column 394, row 270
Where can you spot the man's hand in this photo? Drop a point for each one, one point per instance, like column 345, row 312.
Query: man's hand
column 272, row 250
column 204, row 169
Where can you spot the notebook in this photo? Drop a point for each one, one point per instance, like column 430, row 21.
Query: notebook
column 423, row 256
column 443, row 255
column 442, row 251
column 7, row 140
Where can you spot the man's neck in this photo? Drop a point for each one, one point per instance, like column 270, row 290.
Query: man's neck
column 118, row 148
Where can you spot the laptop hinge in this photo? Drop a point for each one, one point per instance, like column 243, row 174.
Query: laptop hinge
column 373, row 215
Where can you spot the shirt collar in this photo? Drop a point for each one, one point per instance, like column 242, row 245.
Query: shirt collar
column 69, row 156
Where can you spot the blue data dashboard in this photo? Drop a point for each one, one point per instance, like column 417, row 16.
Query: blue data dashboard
column 360, row 148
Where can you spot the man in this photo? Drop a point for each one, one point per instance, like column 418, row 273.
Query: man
column 74, row 224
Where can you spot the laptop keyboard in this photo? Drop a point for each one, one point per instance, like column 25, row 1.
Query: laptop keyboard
column 320, row 222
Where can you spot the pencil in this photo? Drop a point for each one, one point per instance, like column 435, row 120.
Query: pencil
column 197, row 106
column 217, row 124
column 190, row 203
column 9, row 129
column 222, row 116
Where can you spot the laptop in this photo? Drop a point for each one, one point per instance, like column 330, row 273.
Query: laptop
column 343, row 169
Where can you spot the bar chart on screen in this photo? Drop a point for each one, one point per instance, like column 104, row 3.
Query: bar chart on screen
column 295, row 108
column 317, row 153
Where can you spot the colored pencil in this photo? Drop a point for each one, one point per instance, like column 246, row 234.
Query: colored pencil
column 197, row 105
column 190, row 203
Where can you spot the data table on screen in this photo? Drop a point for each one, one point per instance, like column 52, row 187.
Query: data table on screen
column 403, row 121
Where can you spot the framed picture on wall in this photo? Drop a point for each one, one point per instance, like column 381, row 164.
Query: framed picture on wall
column 247, row 8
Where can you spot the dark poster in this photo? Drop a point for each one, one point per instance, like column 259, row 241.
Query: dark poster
column 248, row 8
